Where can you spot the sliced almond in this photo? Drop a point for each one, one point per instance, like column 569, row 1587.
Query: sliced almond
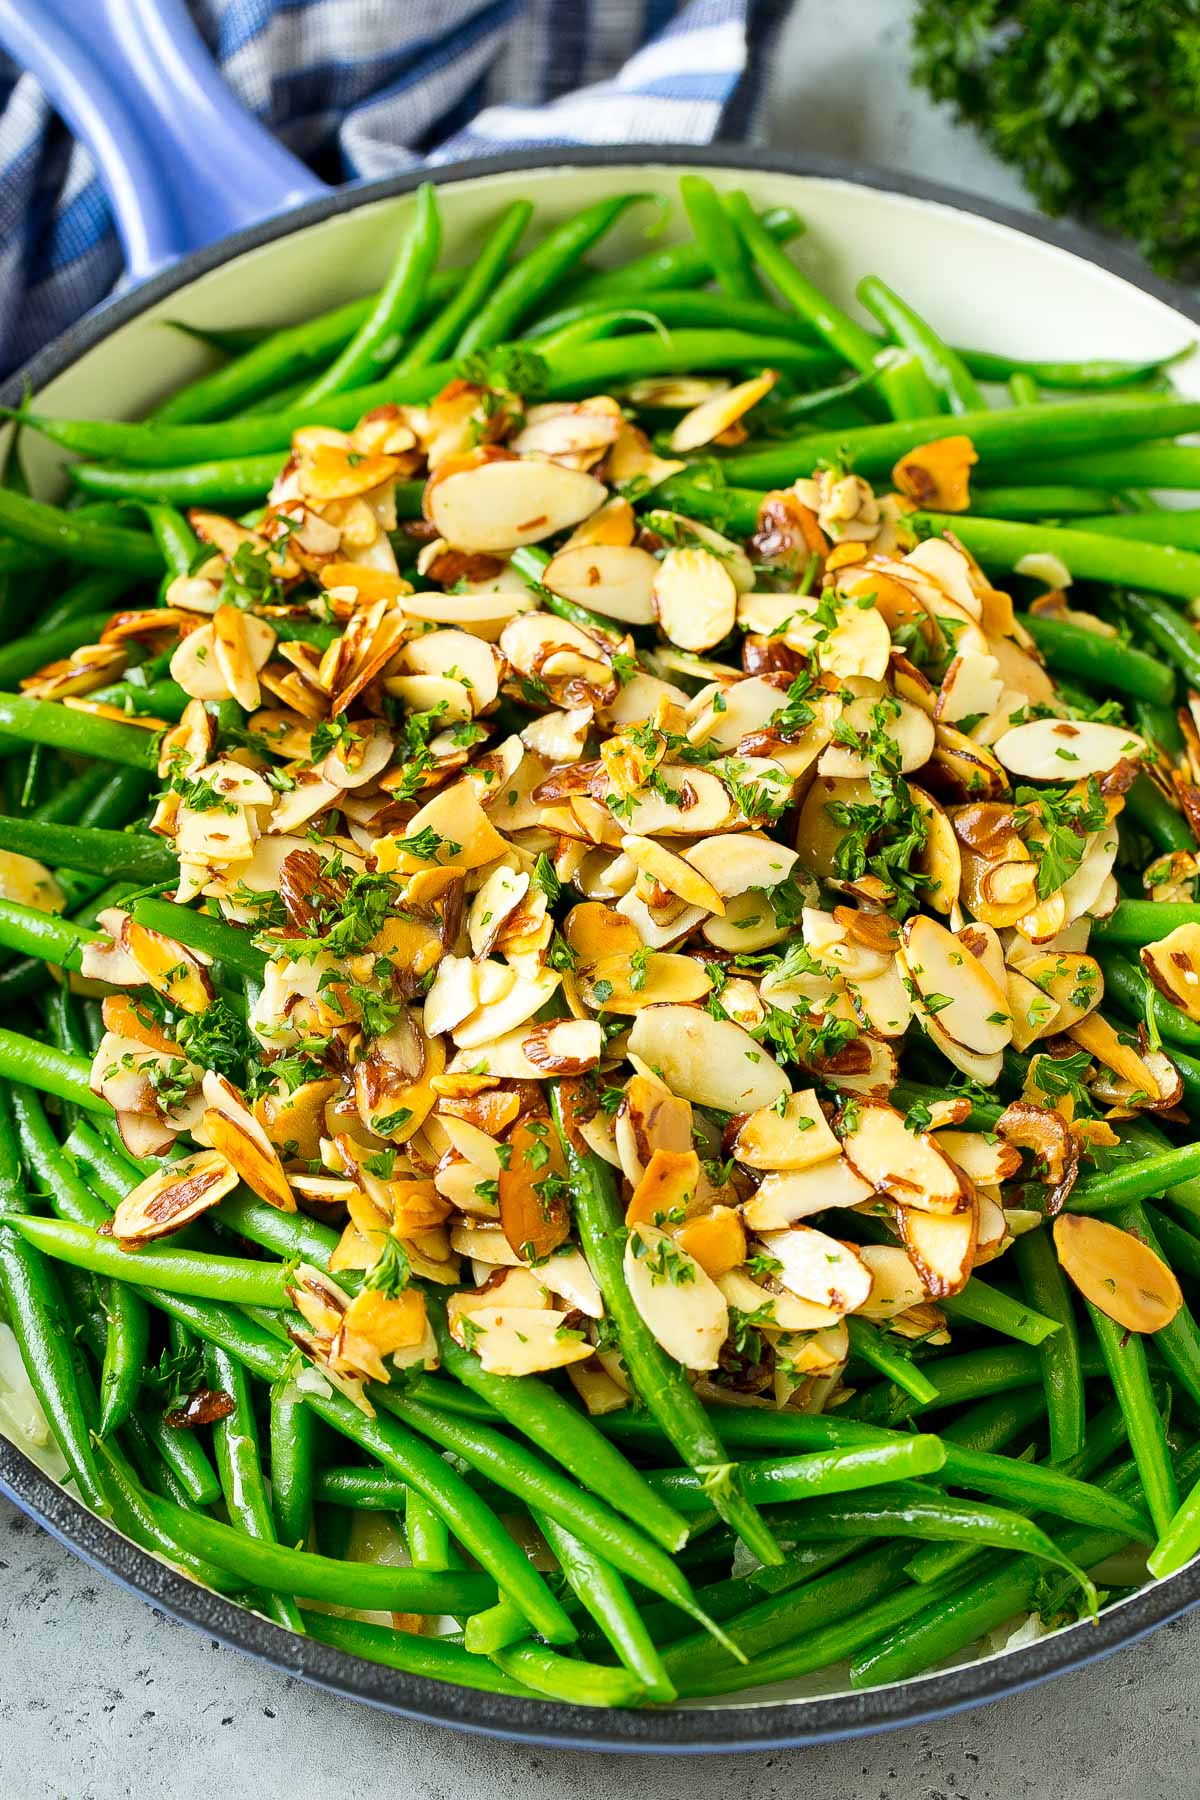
column 908, row 1165
column 683, row 1308
column 782, row 1199
column 616, row 580
column 794, row 1136
column 1119, row 1274
column 711, row 1062
column 502, row 503
column 695, row 599
column 941, row 1245
column 819, row 1268
column 895, row 1282
column 717, row 412
column 1173, row 965
column 955, row 987
column 172, row 1197
column 1066, row 749
column 533, row 1204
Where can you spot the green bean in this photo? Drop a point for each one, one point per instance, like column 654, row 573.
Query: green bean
column 561, row 1431
column 494, row 1627
column 1003, row 543
column 236, row 482
column 584, row 368
column 1155, row 464
column 49, row 1070
column 1125, row 1355
column 902, row 381
column 673, row 308
column 1105, row 1437
column 399, row 1450
column 177, row 543
column 1142, row 1180
column 1178, row 1341
column 981, row 1304
column 1127, row 986
column 183, row 1455
column 1013, row 432
column 1166, row 628
column 657, row 1378
column 1149, row 808
column 281, row 354
column 907, row 1512
column 566, row 1678
column 436, row 1658
column 90, row 594
column 833, row 1471
column 33, row 1305
column 77, row 539
column 538, row 1485
column 132, row 856
column 45, row 722
column 127, row 1316
column 943, row 366
column 1052, row 500
column 1144, row 921
column 168, row 1266
column 23, row 656
column 131, row 1512
column 1100, row 661
column 872, row 1347
column 362, row 1490
column 225, row 943
column 47, row 935
column 676, row 266
column 905, row 1638
column 1062, row 1368
column 235, row 1442
column 447, row 325
column 287, row 1234
column 987, row 366
column 1180, row 1542
column 1180, row 1249
column 377, row 342
column 428, row 1538
column 293, row 1441
column 606, row 1599
column 723, row 248
column 843, row 335
column 1171, row 526
column 541, row 270
column 1024, row 389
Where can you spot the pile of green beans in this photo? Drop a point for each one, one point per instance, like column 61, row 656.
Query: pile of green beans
column 701, row 1547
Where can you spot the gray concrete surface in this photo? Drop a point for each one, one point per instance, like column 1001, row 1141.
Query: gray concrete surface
column 101, row 1697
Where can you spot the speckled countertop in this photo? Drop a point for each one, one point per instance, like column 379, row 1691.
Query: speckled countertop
column 102, row 1697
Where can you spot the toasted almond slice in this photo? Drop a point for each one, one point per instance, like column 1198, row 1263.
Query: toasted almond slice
column 1095, row 1035
column 172, row 1196
column 955, row 987
column 452, row 830
column 511, row 1340
column 30, row 883
column 1073, row 984
column 533, row 1204
column 985, row 1069
column 596, row 932
column 857, row 644
column 712, row 1062
column 982, row 1158
column 939, row 858
column 677, row 874
column 520, row 1000
column 678, row 529
column 776, row 1307
column 908, row 1165
column 895, row 1282
column 503, row 503
column 1034, row 1014
column 909, row 729
column 685, row 802
column 819, row 1268
column 794, row 1136
column 649, row 1118
column 694, row 598
column 657, row 978
column 537, row 1053
column 241, row 645
column 782, row 1199
column 718, row 412
column 734, row 864
column 941, row 1245
column 715, row 1239
column 1119, row 1274
column 683, row 1308
column 666, row 1190
column 260, row 1169
column 614, row 579
column 937, row 474
column 971, row 685
column 1066, row 749
column 171, row 970
column 1173, row 965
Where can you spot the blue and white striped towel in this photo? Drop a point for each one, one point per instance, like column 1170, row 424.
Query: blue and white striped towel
column 368, row 88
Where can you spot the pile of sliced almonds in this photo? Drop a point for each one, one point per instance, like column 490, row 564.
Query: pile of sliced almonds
column 713, row 852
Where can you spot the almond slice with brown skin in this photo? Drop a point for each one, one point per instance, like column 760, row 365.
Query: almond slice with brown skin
column 1117, row 1272
column 954, row 986
column 941, row 1245
column 896, row 1283
column 788, row 1137
column 614, row 579
column 683, row 1308
column 908, row 1165
column 1066, row 749
column 172, row 1196
column 695, row 599
column 819, row 1268
column 717, row 412
column 658, row 978
column 504, row 502
column 785, row 1197
column 1173, row 965
column 712, row 1062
